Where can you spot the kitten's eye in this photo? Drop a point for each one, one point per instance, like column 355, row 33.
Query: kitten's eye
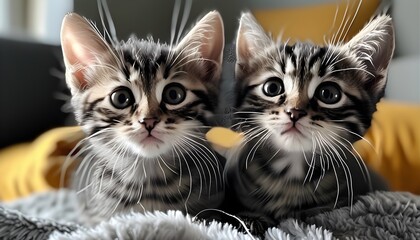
column 122, row 97
column 273, row 87
column 174, row 93
column 328, row 93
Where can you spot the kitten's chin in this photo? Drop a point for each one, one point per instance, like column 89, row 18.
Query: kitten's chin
column 150, row 147
column 293, row 141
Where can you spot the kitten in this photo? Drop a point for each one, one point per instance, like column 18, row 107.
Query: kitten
column 300, row 108
column 145, row 107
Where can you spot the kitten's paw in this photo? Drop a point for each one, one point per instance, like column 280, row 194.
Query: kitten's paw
column 256, row 224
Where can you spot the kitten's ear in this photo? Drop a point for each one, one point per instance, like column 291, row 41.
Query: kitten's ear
column 83, row 48
column 374, row 46
column 206, row 40
column 250, row 40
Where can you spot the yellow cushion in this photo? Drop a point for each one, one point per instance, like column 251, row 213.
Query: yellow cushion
column 313, row 22
column 394, row 151
column 33, row 167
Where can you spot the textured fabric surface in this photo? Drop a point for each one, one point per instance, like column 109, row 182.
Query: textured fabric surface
column 53, row 215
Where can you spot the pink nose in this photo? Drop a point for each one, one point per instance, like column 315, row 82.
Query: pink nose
column 150, row 123
column 295, row 114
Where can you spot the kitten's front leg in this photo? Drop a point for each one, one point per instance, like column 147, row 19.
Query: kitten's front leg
column 257, row 224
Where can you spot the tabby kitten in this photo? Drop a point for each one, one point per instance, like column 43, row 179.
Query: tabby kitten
column 300, row 108
column 145, row 107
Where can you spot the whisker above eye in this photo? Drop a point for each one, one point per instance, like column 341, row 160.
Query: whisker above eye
column 351, row 69
column 255, row 113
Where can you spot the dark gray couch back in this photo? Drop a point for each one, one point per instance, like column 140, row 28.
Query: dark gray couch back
column 29, row 89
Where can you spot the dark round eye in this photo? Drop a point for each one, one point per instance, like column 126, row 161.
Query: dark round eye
column 273, row 87
column 328, row 93
column 122, row 97
column 174, row 93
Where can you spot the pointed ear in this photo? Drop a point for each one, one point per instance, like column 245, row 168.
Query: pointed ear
column 374, row 47
column 251, row 39
column 207, row 40
column 83, row 48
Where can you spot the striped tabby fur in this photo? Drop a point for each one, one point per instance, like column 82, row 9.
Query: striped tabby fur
column 145, row 107
column 300, row 108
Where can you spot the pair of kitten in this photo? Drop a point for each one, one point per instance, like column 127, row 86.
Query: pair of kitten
column 146, row 106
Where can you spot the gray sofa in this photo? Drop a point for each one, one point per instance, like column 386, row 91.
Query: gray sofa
column 30, row 90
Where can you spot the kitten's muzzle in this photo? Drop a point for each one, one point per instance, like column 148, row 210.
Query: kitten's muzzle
column 295, row 113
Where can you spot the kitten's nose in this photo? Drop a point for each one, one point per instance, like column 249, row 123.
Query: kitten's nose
column 295, row 113
column 150, row 122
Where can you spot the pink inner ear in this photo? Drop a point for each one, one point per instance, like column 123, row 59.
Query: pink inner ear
column 77, row 55
column 242, row 46
column 81, row 46
column 213, row 41
column 77, row 47
column 207, row 40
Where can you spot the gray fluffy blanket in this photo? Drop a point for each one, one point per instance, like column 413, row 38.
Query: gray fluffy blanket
column 53, row 215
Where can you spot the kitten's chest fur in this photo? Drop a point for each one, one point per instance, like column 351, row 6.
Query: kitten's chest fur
column 288, row 185
column 127, row 183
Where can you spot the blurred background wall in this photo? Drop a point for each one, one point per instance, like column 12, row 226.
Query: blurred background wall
column 40, row 20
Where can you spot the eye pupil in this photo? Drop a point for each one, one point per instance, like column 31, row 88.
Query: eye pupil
column 174, row 93
column 329, row 93
column 273, row 87
column 121, row 98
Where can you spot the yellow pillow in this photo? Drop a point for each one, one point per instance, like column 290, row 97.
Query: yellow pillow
column 34, row 167
column 313, row 22
column 395, row 145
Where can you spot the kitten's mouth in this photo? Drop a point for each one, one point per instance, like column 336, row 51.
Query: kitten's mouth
column 291, row 130
column 151, row 140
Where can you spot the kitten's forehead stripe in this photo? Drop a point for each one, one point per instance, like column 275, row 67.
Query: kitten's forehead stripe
column 302, row 58
column 147, row 57
column 318, row 56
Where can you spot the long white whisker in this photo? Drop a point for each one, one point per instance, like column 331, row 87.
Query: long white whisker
column 190, row 175
column 77, row 151
column 352, row 21
column 346, row 169
column 253, row 150
column 345, row 25
column 185, row 15
column 340, row 161
column 349, row 69
column 198, row 166
column 335, row 40
column 358, row 158
column 332, row 27
column 359, row 136
column 196, row 155
column 175, row 13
